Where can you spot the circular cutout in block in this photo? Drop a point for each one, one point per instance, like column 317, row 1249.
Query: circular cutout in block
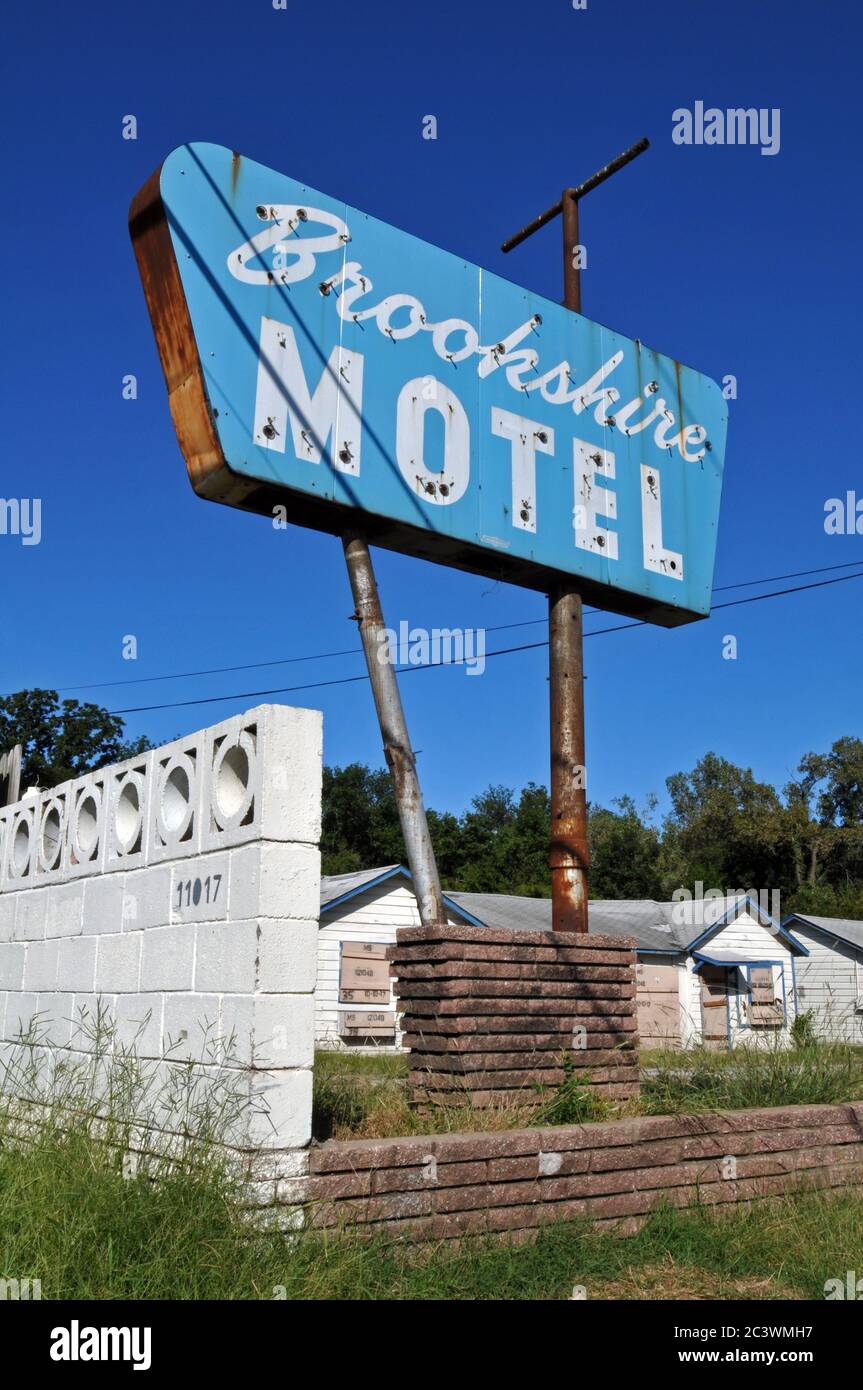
column 233, row 781
column 51, row 836
column 85, row 825
column 20, row 848
column 175, row 808
column 128, row 812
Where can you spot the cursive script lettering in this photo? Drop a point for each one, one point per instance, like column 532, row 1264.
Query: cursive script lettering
column 402, row 316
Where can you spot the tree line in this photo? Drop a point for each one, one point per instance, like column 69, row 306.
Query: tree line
column 723, row 828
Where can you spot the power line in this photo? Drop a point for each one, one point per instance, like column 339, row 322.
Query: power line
column 357, row 651
column 503, row 651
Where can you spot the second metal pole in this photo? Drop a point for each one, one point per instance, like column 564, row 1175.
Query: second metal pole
column 394, row 731
column 569, row 855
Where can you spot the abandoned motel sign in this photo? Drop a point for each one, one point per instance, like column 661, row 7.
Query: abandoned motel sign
column 370, row 384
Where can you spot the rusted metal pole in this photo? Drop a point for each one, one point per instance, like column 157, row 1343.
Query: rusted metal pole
column 394, row 731
column 568, row 854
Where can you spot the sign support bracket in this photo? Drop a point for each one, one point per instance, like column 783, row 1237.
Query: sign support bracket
column 569, row 856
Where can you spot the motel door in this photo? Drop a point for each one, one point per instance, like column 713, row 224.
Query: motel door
column 714, row 1005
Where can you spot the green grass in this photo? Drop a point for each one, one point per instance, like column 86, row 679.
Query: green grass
column 74, row 1217
column 749, row 1078
column 69, row 1218
column 367, row 1097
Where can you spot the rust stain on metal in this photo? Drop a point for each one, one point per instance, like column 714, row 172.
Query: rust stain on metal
column 189, row 401
column 235, row 171
column 568, row 852
column 679, row 385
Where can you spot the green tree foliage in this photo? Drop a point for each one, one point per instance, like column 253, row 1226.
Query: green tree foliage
column 499, row 846
column 825, row 813
column 624, row 852
column 715, row 830
column 724, row 828
column 61, row 739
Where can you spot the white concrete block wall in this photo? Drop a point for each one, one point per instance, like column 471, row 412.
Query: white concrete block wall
column 182, row 888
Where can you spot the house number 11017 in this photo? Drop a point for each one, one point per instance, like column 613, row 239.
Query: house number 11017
column 190, row 892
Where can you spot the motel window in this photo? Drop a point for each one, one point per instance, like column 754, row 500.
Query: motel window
column 766, row 1009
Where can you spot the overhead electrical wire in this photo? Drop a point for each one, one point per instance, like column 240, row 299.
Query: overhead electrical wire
column 502, row 651
column 357, row 651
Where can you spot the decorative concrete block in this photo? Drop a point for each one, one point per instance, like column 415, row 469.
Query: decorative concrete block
column 174, row 816
column 84, row 850
column 51, row 824
column 21, row 844
column 233, row 759
column 5, row 820
column 128, row 792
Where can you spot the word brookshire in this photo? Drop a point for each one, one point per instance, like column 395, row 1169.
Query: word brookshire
column 453, row 339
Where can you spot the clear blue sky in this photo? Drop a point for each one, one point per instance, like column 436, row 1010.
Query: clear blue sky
column 733, row 261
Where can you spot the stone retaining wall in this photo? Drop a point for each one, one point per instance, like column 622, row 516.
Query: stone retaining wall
column 439, row 1186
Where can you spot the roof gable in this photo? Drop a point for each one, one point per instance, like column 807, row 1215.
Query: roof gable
column 728, row 911
column 671, row 928
column 844, row 929
column 337, row 889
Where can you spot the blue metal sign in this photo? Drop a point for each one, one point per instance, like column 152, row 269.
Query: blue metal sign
column 325, row 363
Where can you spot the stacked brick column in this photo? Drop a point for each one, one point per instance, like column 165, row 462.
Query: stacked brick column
column 489, row 1015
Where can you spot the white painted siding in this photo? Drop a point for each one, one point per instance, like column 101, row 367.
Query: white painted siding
column 830, row 982
column 690, row 1005
column 745, row 936
column 376, row 914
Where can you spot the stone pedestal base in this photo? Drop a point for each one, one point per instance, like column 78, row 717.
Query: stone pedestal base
column 490, row 1014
